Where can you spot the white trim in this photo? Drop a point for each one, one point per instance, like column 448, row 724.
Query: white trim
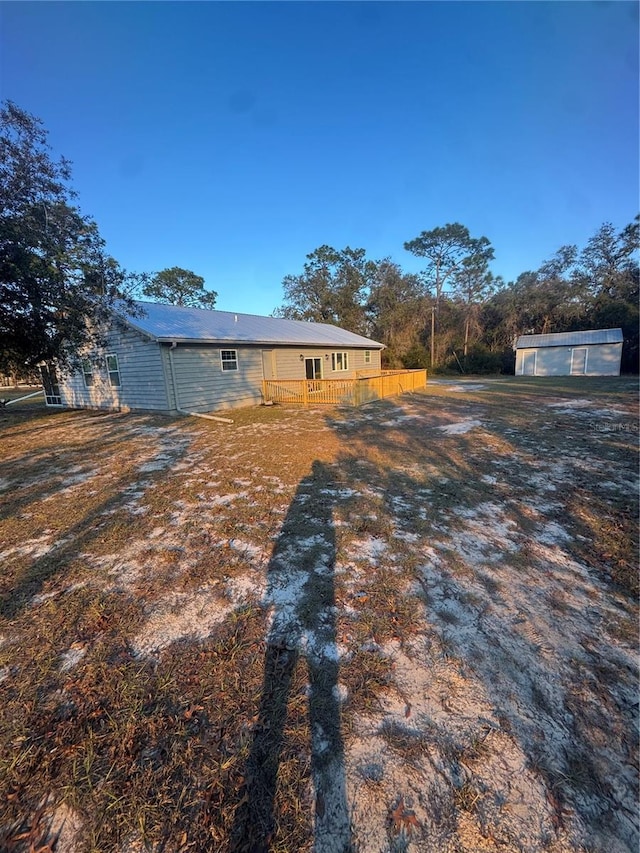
column 231, row 363
column 574, row 350
column 117, row 384
column 313, row 358
column 343, row 358
column 525, row 353
column 89, row 372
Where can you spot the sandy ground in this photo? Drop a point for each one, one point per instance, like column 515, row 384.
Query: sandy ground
column 509, row 721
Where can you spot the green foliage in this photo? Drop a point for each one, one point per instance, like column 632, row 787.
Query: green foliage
column 595, row 288
column 480, row 359
column 454, row 259
column 416, row 358
column 331, row 289
column 177, row 286
column 57, row 284
column 397, row 310
column 446, row 248
column 475, row 313
column 507, row 360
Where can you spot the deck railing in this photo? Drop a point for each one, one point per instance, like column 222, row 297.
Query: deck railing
column 364, row 388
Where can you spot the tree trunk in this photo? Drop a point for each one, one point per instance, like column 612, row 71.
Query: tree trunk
column 433, row 337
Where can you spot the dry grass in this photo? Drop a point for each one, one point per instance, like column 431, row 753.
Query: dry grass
column 238, row 637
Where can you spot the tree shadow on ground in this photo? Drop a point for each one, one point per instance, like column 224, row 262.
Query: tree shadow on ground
column 499, row 570
column 301, row 590
column 44, row 473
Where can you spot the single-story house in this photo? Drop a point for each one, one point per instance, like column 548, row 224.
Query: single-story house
column 592, row 353
column 169, row 359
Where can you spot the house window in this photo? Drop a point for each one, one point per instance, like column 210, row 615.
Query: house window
column 339, row 361
column 113, row 370
column 229, row 359
column 50, row 384
column 87, row 372
column 367, row 356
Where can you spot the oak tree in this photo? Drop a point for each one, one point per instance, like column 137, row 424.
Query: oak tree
column 58, row 286
column 331, row 289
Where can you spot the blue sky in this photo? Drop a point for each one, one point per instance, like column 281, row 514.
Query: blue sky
column 234, row 138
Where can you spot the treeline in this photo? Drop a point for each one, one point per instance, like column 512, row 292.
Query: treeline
column 456, row 314
column 58, row 284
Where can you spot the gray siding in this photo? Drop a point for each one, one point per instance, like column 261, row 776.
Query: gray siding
column 357, row 362
column 148, row 370
column 142, row 380
column 602, row 360
column 289, row 365
column 204, row 387
column 166, row 367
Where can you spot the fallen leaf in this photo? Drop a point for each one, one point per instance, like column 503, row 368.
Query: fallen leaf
column 403, row 819
column 191, row 710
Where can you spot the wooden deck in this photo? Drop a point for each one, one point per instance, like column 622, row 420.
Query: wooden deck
column 364, row 388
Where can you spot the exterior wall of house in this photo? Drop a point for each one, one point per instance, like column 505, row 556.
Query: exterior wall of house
column 166, row 368
column 149, row 372
column 289, row 365
column 600, row 360
column 203, row 386
column 140, row 372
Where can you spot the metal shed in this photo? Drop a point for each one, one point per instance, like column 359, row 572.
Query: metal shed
column 169, row 358
column 595, row 352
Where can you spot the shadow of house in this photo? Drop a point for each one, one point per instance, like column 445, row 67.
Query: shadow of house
column 302, row 594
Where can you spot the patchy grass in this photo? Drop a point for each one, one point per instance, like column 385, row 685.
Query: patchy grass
column 410, row 627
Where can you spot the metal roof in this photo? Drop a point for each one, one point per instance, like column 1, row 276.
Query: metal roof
column 571, row 339
column 168, row 323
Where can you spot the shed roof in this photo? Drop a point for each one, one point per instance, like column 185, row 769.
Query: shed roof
column 571, row 339
column 168, row 323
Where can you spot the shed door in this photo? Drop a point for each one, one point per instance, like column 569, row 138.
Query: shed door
column 529, row 363
column 268, row 364
column 578, row 361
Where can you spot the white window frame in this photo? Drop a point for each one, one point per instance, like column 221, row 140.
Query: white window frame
column 315, row 361
column 113, row 372
column 87, row 372
column 230, row 363
column 51, row 384
column 367, row 356
column 339, row 362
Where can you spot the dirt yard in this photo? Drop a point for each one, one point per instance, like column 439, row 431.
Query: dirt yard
column 407, row 628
